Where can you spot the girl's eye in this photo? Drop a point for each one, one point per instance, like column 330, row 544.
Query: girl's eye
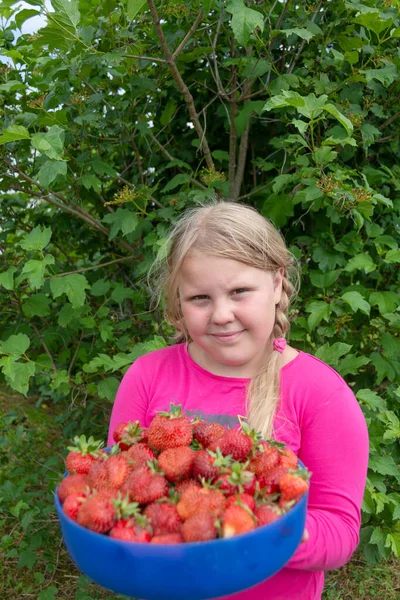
column 199, row 297
column 239, row 291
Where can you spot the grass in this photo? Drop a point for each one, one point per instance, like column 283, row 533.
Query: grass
column 35, row 563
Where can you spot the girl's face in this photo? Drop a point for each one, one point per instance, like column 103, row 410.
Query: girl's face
column 228, row 309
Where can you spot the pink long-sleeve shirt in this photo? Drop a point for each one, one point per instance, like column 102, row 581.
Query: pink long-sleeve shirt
column 318, row 417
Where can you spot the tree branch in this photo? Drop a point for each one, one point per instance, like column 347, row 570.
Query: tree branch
column 389, row 121
column 182, row 87
column 53, row 366
column 300, row 50
column 188, row 35
column 110, row 262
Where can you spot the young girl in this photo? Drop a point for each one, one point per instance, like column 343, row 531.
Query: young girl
column 227, row 290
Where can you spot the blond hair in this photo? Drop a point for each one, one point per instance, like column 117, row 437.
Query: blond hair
column 238, row 232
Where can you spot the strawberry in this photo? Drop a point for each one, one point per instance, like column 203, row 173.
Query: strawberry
column 233, row 443
column 267, row 513
column 97, row 513
column 195, row 500
column 72, row 503
column 236, row 520
column 288, row 459
column 169, row 430
column 242, row 499
column 265, row 458
column 167, row 538
column 183, row 485
column 71, row 484
column 98, row 476
column 206, row 433
column 117, row 469
column 127, row 434
column 177, row 463
column 199, row 528
column 82, row 455
column 163, row 518
column 145, row 484
column 208, row 465
column 139, row 454
column 129, row 531
column 269, row 482
column 238, row 480
column 293, row 485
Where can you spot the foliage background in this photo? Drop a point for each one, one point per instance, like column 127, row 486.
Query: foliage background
column 116, row 116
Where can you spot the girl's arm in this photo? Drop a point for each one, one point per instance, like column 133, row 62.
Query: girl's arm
column 131, row 400
column 334, row 447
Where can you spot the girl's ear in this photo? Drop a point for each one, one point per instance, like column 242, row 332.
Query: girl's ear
column 278, row 282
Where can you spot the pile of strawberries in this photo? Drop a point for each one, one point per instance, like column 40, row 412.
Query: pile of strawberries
column 179, row 480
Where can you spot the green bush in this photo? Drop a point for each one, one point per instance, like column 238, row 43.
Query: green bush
column 118, row 115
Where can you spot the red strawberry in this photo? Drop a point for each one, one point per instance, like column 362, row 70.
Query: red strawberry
column 163, row 518
column 269, row 482
column 237, row 520
column 288, row 459
column 118, row 469
column 199, row 528
column 266, row 514
column 206, row 433
column 242, row 499
column 238, row 480
column 97, row 513
column 98, row 476
column 72, row 503
column 234, row 443
column 167, row 538
column 71, row 484
column 139, row 454
column 129, row 531
column 82, row 455
column 195, row 500
column 208, row 465
column 177, row 463
column 145, row 484
column 183, row 485
column 127, row 434
column 293, row 485
column 265, row 458
column 169, row 430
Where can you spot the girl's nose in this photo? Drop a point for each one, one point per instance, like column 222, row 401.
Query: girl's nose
column 222, row 313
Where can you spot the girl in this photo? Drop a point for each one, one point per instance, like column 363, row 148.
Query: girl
column 227, row 290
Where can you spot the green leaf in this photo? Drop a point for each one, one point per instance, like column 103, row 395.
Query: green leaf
column 49, row 593
column 16, row 345
column 73, row 286
column 7, row 278
column 121, row 220
column 100, row 287
column 351, row 364
column 371, row 21
column 393, row 256
column 134, row 7
column 302, row 33
column 59, row 379
column 67, row 12
column 108, row 388
column 319, row 311
column 50, row 143
column 332, row 110
column 50, row 171
column 356, row 301
column 244, row 21
column 37, row 239
column 37, row 305
column 371, row 399
column 244, row 114
column 324, row 280
column 121, row 293
column 177, row 180
column 324, row 155
column 385, row 465
column 369, row 134
column 362, row 262
column 11, row 85
column 14, row 133
column 18, row 374
column 34, row 271
column 385, row 75
column 90, row 181
column 383, row 368
column 387, row 302
column 331, row 354
column 287, row 98
column 27, row 558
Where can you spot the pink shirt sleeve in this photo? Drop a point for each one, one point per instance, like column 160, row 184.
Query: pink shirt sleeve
column 334, row 446
column 131, row 400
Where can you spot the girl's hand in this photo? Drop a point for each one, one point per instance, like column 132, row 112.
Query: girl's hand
column 305, row 536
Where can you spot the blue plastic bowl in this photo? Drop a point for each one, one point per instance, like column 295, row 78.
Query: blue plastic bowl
column 187, row 571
